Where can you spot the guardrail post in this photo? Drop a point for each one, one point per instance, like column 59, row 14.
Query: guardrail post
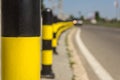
column 47, row 52
column 21, row 40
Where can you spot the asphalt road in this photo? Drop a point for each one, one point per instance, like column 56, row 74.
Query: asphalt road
column 104, row 45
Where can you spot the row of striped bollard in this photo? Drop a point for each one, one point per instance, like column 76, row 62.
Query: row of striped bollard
column 58, row 29
column 49, row 41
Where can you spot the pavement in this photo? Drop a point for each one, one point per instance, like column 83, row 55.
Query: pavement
column 78, row 69
column 104, row 44
column 61, row 65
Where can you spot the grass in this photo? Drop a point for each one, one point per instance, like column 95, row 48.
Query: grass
column 110, row 24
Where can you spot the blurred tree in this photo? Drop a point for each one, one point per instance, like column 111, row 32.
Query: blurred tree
column 82, row 18
column 97, row 15
column 71, row 17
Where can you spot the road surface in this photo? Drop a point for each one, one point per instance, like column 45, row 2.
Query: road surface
column 104, row 45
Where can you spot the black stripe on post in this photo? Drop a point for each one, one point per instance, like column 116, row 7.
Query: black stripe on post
column 54, row 35
column 20, row 18
column 47, row 69
column 47, row 44
column 47, row 16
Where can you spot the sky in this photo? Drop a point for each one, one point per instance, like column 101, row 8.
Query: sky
column 86, row 8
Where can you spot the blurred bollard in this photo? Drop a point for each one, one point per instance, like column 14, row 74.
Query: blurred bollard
column 47, row 52
column 63, row 26
column 60, row 27
column 54, row 40
column 21, row 40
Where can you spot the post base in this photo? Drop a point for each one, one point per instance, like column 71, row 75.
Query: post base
column 54, row 51
column 47, row 72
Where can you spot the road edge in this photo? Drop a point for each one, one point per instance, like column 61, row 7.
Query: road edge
column 79, row 72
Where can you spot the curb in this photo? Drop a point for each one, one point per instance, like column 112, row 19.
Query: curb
column 79, row 71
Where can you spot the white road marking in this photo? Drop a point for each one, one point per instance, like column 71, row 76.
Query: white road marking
column 96, row 66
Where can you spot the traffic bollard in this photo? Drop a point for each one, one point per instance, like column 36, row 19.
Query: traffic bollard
column 47, row 52
column 21, row 40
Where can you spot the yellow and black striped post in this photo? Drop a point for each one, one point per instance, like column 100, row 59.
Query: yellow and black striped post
column 47, row 52
column 21, row 40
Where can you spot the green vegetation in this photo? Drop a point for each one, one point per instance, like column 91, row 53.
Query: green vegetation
column 109, row 24
column 97, row 16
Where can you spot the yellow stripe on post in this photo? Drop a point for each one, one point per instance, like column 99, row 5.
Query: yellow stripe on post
column 47, row 32
column 21, row 58
column 21, row 40
column 54, row 42
column 55, row 27
column 47, row 57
